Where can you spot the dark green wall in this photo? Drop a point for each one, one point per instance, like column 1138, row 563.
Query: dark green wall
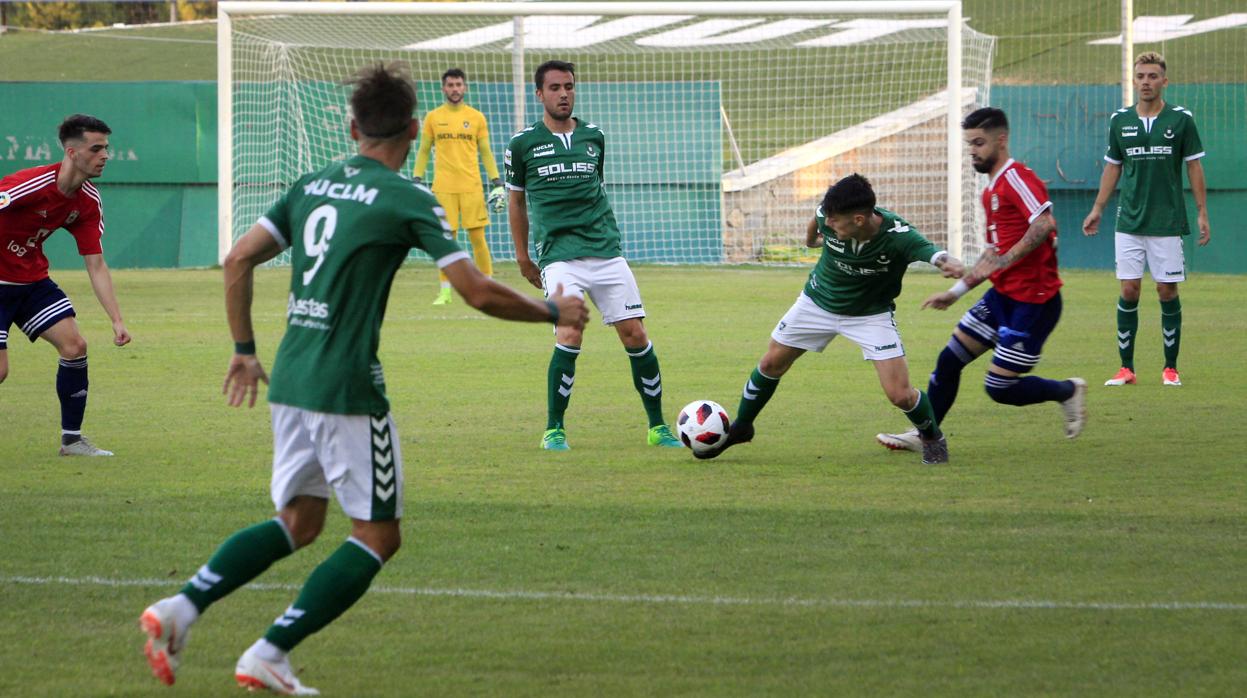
column 159, row 189
column 1061, row 132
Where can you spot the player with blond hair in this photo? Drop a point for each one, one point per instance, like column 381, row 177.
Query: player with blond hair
column 1148, row 143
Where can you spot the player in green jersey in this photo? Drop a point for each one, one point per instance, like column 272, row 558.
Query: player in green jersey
column 850, row 292
column 349, row 227
column 1147, row 144
column 554, row 172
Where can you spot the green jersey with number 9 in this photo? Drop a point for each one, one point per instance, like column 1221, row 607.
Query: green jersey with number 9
column 349, row 228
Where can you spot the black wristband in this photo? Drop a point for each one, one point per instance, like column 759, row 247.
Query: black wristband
column 554, row 312
column 247, row 348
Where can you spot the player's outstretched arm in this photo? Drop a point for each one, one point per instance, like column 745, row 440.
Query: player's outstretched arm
column 517, row 216
column 1199, row 190
column 244, row 374
column 102, row 284
column 950, row 266
column 502, row 301
column 1108, row 182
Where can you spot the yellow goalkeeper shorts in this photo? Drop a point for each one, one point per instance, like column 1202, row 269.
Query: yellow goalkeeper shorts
column 464, row 210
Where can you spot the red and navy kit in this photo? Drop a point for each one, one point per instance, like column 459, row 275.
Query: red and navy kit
column 1023, row 306
column 1013, row 200
column 31, row 208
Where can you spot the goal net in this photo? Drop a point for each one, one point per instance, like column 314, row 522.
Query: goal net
column 725, row 122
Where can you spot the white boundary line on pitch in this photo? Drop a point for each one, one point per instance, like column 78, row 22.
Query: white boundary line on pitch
column 1004, row 604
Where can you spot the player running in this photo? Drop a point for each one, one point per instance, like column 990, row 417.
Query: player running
column 556, row 166
column 458, row 134
column 1147, row 144
column 1021, row 309
column 851, row 292
column 349, row 227
column 34, row 203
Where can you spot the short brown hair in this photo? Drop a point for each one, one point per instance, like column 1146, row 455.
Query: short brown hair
column 383, row 100
column 1150, row 58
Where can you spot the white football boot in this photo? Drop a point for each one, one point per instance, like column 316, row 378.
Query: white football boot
column 1075, row 409
column 905, row 441
column 255, row 674
column 165, row 639
column 83, row 447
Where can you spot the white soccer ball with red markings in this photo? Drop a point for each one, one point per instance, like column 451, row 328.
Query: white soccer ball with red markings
column 702, row 425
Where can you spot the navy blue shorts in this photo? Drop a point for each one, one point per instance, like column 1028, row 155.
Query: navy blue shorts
column 1017, row 330
column 32, row 307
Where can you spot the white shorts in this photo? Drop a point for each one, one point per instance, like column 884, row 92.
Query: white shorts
column 356, row 455
column 1163, row 256
column 807, row 326
column 608, row 282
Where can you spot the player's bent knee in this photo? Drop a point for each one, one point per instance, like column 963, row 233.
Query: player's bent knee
column 74, row 348
column 304, row 518
column 382, row 537
column 904, row 399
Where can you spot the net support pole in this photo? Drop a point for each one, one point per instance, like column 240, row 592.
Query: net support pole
column 225, row 135
column 955, row 233
column 518, row 79
column 1127, row 52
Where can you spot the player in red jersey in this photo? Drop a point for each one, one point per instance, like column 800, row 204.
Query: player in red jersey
column 1021, row 309
column 34, row 203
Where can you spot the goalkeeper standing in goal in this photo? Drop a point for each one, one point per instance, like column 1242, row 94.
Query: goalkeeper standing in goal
column 458, row 135
column 555, row 167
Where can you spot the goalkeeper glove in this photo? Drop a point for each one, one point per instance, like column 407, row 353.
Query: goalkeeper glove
column 498, row 197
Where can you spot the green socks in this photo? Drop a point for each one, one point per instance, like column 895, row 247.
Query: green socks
column 648, row 381
column 1127, row 328
column 922, row 416
column 241, row 558
column 758, row 390
column 1171, row 330
column 559, row 380
column 334, row 586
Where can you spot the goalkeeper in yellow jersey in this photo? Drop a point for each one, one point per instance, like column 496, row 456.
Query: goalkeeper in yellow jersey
column 459, row 135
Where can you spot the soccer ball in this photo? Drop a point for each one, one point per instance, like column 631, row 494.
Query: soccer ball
column 702, row 425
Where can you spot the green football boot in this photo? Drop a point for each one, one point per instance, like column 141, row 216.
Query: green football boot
column 555, row 440
column 661, row 436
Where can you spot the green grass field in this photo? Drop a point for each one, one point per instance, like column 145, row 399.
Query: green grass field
column 811, row 562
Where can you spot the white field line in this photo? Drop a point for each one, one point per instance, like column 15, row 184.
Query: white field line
column 689, row 600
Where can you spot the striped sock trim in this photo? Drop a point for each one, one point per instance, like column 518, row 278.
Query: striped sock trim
column 286, row 530
column 994, row 381
column 569, row 350
column 917, row 401
column 80, row 362
column 763, row 374
column 365, row 548
column 638, row 354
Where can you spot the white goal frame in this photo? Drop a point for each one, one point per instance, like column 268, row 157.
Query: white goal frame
column 227, row 11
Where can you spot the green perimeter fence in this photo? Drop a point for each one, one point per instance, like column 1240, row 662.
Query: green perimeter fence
column 160, row 190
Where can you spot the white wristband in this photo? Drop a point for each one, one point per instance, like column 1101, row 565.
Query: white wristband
column 959, row 289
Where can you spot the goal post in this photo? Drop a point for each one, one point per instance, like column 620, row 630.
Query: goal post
column 725, row 121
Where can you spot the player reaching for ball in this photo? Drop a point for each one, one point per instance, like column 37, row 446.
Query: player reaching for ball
column 851, row 292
